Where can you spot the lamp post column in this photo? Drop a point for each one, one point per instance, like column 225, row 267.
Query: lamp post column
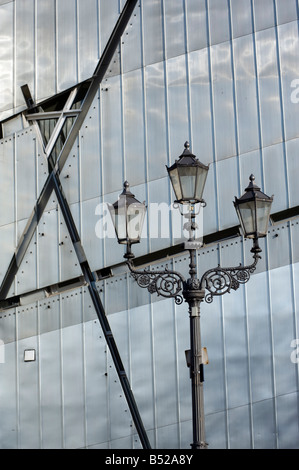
column 193, row 295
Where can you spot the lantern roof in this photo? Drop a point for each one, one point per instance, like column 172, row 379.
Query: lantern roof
column 187, row 159
column 127, row 196
column 253, row 192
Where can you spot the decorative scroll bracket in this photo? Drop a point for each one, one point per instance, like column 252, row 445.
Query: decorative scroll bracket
column 171, row 284
column 219, row 281
column 166, row 283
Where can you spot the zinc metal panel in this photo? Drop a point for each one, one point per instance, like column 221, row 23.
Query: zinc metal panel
column 7, row 237
column 246, row 94
column 178, row 106
column 142, row 362
column 182, row 328
column 260, row 337
column 276, row 176
column 69, row 265
column 292, row 150
column 228, row 187
column 279, row 246
column 47, row 242
column 218, row 21
column 51, row 403
column 73, row 394
column 6, row 54
column 215, row 392
column 294, row 232
column 264, row 424
column 216, row 430
column 25, row 173
column 223, row 100
column 196, row 22
column 287, row 422
column 152, row 32
column 72, row 311
column 134, row 138
column 96, row 383
column 212, row 326
column 28, row 383
column 200, row 98
column 7, row 182
column 72, row 173
column 90, row 155
column 286, row 380
column 269, row 91
column 156, row 120
column 45, row 52
column 67, row 44
column 12, row 125
column 263, row 14
column 109, row 12
column 289, row 71
column 49, row 319
column 8, row 328
column 88, row 43
column 8, row 393
column 111, row 129
column 24, row 48
column 241, row 20
column 174, row 28
column 122, row 443
column 168, row 437
column 165, row 347
column 131, row 45
column 116, row 303
column 286, row 11
column 235, row 334
column 159, row 212
column 239, row 428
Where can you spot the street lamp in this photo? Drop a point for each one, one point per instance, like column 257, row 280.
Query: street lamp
column 127, row 216
column 188, row 176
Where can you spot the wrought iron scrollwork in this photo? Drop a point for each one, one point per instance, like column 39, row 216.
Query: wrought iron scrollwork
column 166, row 283
column 216, row 281
column 219, row 281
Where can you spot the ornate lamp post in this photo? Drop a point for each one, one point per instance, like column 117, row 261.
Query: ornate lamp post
column 188, row 176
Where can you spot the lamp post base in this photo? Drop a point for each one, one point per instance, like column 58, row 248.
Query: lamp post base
column 199, row 445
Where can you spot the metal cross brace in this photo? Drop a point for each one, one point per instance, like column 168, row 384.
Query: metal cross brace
column 53, row 184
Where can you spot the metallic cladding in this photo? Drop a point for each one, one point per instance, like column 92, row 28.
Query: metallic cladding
column 220, row 74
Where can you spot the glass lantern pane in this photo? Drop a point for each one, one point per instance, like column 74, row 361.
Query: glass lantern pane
column 174, row 177
column 188, row 182
column 263, row 209
column 246, row 212
column 118, row 216
column 200, row 184
column 135, row 218
column 120, row 226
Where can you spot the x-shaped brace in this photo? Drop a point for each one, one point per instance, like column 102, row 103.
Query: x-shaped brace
column 53, row 184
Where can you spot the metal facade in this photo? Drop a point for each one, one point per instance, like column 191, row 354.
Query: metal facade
column 224, row 75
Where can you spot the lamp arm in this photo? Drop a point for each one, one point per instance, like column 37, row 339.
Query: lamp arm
column 219, row 281
column 166, row 283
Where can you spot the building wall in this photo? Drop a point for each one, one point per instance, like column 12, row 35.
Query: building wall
column 221, row 74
